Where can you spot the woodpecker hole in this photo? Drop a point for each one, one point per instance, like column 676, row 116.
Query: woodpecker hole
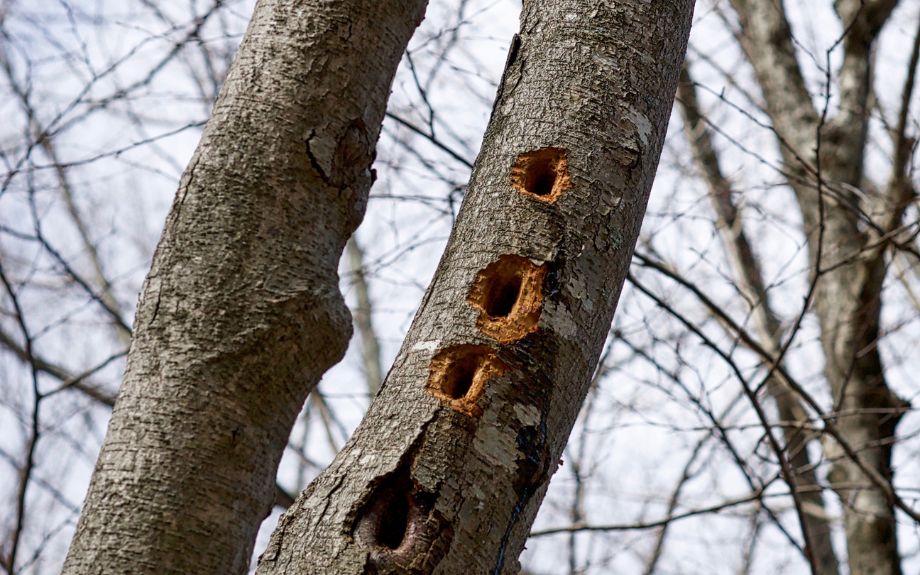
column 509, row 296
column 503, row 295
column 393, row 521
column 459, row 380
column 542, row 180
column 458, row 376
column 398, row 524
column 392, row 516
column 541, row 174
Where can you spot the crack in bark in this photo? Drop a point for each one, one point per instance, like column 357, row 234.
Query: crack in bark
column 313, row 161
column 156, row 305
column 513, row 50
column 533, row 470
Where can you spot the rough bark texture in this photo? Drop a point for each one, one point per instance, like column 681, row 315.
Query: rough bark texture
column 789, row 408
column 849, row 268
column 241, row 312
column 447, row 470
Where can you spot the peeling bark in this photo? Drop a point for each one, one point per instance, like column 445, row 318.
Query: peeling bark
column 241, row 313
column 450, row 482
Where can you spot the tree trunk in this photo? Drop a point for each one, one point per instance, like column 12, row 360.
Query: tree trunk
column 447, row 470
column 241, row 312
column 824, row 158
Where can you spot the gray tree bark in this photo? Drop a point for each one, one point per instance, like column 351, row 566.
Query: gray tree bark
column 823, row 156
column 447, row 470
column 241, row 313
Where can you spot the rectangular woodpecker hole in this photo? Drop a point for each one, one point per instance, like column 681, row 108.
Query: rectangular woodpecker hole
column 509, row 296
column 503, row 294
column 541, row 174
column 458, row 380
column 458, row 376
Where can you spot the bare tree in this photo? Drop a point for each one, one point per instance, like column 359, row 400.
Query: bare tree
column 712, row 438
column 824, row 156
column 853, row 226
column 750, row 280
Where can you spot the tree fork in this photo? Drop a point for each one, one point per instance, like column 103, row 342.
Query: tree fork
column 448, row 468
column 241, row 312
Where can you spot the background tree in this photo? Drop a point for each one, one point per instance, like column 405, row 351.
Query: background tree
column 666, row 470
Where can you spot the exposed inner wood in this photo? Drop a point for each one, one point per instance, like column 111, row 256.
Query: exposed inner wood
column 459, row 374
column 542, row 174
column 509, row 296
